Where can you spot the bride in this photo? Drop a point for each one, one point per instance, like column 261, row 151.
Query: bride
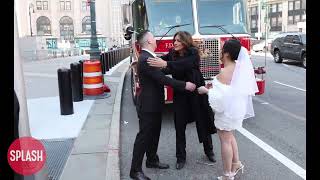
column 231, row 99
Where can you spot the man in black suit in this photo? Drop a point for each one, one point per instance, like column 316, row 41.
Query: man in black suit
column 150, row 102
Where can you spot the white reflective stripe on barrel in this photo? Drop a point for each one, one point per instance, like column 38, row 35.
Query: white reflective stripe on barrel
column 93, row 74
column 92, row 86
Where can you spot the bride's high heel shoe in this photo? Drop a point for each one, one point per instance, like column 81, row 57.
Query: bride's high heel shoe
column 227, row 176
column 240, row 167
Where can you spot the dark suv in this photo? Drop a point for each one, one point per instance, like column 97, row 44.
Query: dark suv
column 289, row 46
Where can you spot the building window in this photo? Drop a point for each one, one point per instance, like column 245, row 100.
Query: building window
column 274, row 8
column 253, row 23
column 43, row 26
column 280, row 7
column 304, row 17
column 290, row 5
column 62, row 5
column 85, row 6
column 68, row 5
column 297, row 5
column 274, row 21
column 86, row 25
column 39, row 5
column 253, row 11
column 296, row 19
column 66, row 28
column 65, row 5
column 42, row 5
column 280, row 21
column 45, row 5
column 290, row 19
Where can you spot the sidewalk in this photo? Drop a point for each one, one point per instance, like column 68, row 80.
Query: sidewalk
column 95, row 153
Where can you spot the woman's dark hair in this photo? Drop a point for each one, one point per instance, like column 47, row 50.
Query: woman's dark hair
column 187, row 42
column 232, row 47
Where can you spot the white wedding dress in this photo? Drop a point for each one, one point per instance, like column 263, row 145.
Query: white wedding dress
column 217, row 102
column 233, row 103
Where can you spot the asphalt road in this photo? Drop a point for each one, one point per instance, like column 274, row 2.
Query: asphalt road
column 280, row 124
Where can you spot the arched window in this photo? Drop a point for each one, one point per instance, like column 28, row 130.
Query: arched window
column 43, row 26
column 86, row 25
column 66, row 28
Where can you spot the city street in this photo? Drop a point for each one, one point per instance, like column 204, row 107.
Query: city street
column 272, row 145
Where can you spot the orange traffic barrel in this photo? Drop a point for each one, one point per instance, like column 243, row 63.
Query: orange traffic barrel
column 92, row 78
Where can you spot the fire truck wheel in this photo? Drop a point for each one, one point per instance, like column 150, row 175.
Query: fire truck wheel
column 133, row 89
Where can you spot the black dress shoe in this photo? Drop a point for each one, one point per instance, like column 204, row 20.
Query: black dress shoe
column 139, row 176
column 158, row 165
column 211, row 157
column 180, row 164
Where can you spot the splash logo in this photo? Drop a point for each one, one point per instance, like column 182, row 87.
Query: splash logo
column 26, row 156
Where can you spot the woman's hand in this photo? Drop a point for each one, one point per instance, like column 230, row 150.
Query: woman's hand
column 202, row 90
column 157, row 62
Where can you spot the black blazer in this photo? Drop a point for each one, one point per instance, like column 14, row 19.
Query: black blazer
column 187, row 68
column 152, row 81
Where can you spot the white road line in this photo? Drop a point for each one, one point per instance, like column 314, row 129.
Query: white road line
column 276, row 108
column 289, row 86
column 285, row 65
column 274, row 153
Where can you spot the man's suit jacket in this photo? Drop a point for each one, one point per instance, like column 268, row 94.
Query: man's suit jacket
column 152, row 81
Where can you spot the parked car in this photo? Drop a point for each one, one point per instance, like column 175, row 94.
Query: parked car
column 261, row 46
column 290, row 46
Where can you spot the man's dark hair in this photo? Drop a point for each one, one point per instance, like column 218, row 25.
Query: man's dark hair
column 232, row 47
column 141, row 35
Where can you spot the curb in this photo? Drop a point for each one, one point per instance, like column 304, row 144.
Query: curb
column 113, row 159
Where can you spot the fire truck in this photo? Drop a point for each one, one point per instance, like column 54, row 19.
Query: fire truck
column 211, row 23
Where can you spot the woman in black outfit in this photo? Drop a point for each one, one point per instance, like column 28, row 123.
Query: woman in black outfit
column 183, row 62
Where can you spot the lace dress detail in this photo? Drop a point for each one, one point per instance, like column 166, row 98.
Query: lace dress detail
column 217, row 102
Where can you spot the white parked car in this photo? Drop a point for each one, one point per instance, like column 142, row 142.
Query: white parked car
column 262, row 46
column 259, row 47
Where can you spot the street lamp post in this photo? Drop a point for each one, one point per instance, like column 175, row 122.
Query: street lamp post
column 31, row 7
column 94, row 46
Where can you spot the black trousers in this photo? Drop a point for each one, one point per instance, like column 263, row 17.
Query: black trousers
column 147, row 139
column 180, row 126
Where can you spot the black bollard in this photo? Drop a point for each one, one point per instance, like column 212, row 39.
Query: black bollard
column 102, row 63
column 122, row 53
column 112, row 58
column 118, row 56
column 81, row 69
column 106, row 65
column 76, row 82
column 81, row 73
column 65, row 91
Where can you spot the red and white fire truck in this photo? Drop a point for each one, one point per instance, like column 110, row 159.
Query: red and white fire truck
column 211, row 23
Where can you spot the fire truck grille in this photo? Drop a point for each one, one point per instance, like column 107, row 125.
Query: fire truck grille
column 210, row 54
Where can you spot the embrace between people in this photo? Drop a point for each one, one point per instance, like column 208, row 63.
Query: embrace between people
column 219, row 109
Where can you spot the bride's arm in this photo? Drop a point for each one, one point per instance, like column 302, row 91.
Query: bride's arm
column 203, row 90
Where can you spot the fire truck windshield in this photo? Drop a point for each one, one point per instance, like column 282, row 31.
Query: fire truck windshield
column 164, row 13
column 230, row 13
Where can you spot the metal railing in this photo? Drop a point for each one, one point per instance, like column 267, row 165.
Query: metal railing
column 112, row 57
